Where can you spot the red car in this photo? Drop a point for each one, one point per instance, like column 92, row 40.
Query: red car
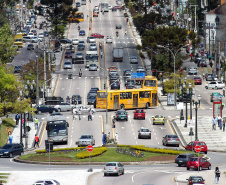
column 198, row 163
column 97, row 35
column 193, row 144
column 139, row 113
column 198, row 80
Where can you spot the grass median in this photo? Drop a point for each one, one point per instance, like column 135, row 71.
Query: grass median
column 6, row 122
column 108, row 156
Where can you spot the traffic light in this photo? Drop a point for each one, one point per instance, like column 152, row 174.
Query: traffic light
column 104, row 86
column 154, row 72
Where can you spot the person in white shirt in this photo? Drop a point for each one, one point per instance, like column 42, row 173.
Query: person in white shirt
column 116, row 138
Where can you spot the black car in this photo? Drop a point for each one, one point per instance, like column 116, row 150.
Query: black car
column 115, row 85
column 91, row 100
column 95, row 88
column 10, row 150
column 76, row 99
column 182, row 159
column 81, row 47
column 68, row 54
column 30, row 47
column 45, row 108
column 17, row 69
column 195, row 180
column 65, row 40
column 118, row 26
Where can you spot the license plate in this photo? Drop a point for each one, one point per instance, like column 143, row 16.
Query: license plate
column 1, row 154
column 191, row 166
column 180, row 161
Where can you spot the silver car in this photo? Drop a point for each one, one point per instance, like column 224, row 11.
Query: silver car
column 75, row 41
column 171, row 140
column 93, row 67
column 133, row 60
column 63, row 107
column 83, row 108
column 144, row 133
column 68, row 65
column 93, row 47
column 115, row 168
column 86, row 140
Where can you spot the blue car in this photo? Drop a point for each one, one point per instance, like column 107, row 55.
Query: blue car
column 82, row 33
column 78, row 4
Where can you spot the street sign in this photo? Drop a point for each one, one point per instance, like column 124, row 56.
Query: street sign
column 198, row 149
column 89, row 148
column 138, row 76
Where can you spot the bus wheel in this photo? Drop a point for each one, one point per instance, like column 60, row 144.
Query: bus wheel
column 147, row 105
column 122, row 106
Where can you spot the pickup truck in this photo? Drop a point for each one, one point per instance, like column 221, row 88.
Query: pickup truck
column 118, row 55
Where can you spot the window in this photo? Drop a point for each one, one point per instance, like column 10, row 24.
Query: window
column 129, row 95
column 102, row 94
column 147, row 94
column 141, row 94
column 150, row 83
column 122, row 95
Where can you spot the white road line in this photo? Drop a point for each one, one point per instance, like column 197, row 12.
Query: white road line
column 154, row 133
column 137, row 174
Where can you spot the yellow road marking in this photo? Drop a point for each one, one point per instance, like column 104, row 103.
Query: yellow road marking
column 42, row 134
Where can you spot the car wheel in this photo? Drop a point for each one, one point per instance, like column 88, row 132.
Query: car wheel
column 150, row 137
column 206, row 87
column 10, row 155
column 105, row 174
column 118, row 173
column 188, row 168
column 39, row 112
column 209, row 167
column 153, row 123
column 122, row 172
column 126, row 119
column 144, row 118
column 177, row 145
column 147, row 105
column 138, row 137
column 179, row 165
column 205, row 152
column 216, row 87
column 54, row 111
column 200, row 168
column 59, row 110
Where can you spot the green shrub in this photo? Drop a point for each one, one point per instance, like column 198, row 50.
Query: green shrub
column 95, row 152
column 141, row 55
column 60, row 149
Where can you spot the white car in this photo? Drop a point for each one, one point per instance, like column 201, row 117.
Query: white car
column 215, row 85
column 41, row 35
column 30, row 34
column 84, row 109
column 63, row 107
column 93, row 67
column 91, row 39
column 39, row 38
column 109, row 39
column 74, row 41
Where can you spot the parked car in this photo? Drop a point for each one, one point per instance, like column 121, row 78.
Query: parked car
column 198, row 80
column 10, row 150
column 133, row 60
column 215, row 85
column 118, row 26
column 121, row 115
column 113, row 168
column 67, row 65
column 171, row 140
column 139, row 113
column 158, row 119
column 76, row 99
column 65, row 41
column 63, row 107
column 182, row 159
column 48, row 181
column 109, row 40
column 195, row 180
column 30, row 47
column 82, row 33
column 193, row 144
column 45, row 108
column 84, row 109
column 17, row 69
column 97, row 35
column 86, row 140
column 91, row 39
column 68, row 54
column 74, row 41
column 144, row 133
column 93, row 67
column 198, row 163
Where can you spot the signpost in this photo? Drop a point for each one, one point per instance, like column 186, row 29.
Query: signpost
column 89, row 149
column 198, row 149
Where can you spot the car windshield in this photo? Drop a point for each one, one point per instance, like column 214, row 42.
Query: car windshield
column 144, row 130
column 85, row 137
column 182, row 156
column 172, row 136
column 92, row 65
column 67, row 63
column 121, row 112
column 139, row 111
column 111, row 164
column 158, row 116
column 133, row 57
column 197, row 179
column 7, row 146
column 92, row 97
column 193, row 159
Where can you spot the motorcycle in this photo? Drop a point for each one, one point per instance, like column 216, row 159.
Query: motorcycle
column 78, row 28
column 116, row 33
column 80, row 73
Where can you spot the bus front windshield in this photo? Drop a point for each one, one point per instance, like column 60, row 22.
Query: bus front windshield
column 150, row 83
column 59, row 129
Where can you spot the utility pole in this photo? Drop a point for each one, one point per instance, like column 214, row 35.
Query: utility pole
column 44, row 71
column 195, row 30
column 37, row 84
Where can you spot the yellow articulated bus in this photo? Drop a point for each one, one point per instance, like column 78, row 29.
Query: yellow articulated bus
column 144, row 97
column 18, row 40
column 77, row 17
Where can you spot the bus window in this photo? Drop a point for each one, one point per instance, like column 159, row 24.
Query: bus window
column 141, row 94
column 147, row 94
column 102, row 94
column 122, row 96
column 129, row 95
column 150, row 83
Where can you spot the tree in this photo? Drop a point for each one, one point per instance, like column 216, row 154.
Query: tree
column 6, row 48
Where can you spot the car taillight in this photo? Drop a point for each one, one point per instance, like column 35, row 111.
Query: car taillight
column 154, row 119
column 163, row 119
column 203, row 182
column 126, row 115
column 177, row 139
column 139, row 133
column 117, row 115
column 150, row 133
column 53, row 106
column 115, row 168
column 104, row 168
column 190, row 182
column 168, row 139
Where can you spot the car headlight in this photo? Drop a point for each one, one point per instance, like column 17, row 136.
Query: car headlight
column 6, row 152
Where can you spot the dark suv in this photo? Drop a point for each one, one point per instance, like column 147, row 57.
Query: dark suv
column 10, row 150
column 182, row 159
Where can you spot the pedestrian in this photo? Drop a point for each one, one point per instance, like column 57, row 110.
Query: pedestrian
column 17, row 118
column 214, row 121
column 116, row 138
column 218, row 120
column 101, row 54
column 36, row 123
column 90, row 115
column 10, row 137
column 109, row 135
column 8, row 130
column 223, row 91
column 220, row 124
column 113, row 122
column 104, row 138
column 217, row 175
column 211, row 63
column 125, row 33
column 79, row 114
column 223, row 125
column 127, row 19
column 1, row 183
column 36, row 140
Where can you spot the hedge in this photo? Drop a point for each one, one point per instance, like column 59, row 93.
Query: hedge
column 95, row 152
column 60, row 149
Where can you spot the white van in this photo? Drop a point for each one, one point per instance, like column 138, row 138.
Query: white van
column 83, row 2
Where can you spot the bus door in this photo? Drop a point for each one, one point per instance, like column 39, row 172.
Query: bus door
column 116, row 101
column 135, row 100
column 154, row 99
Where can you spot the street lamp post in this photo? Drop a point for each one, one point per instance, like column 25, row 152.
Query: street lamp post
column 37, row 86
column 196, row 117
column 186, row 121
